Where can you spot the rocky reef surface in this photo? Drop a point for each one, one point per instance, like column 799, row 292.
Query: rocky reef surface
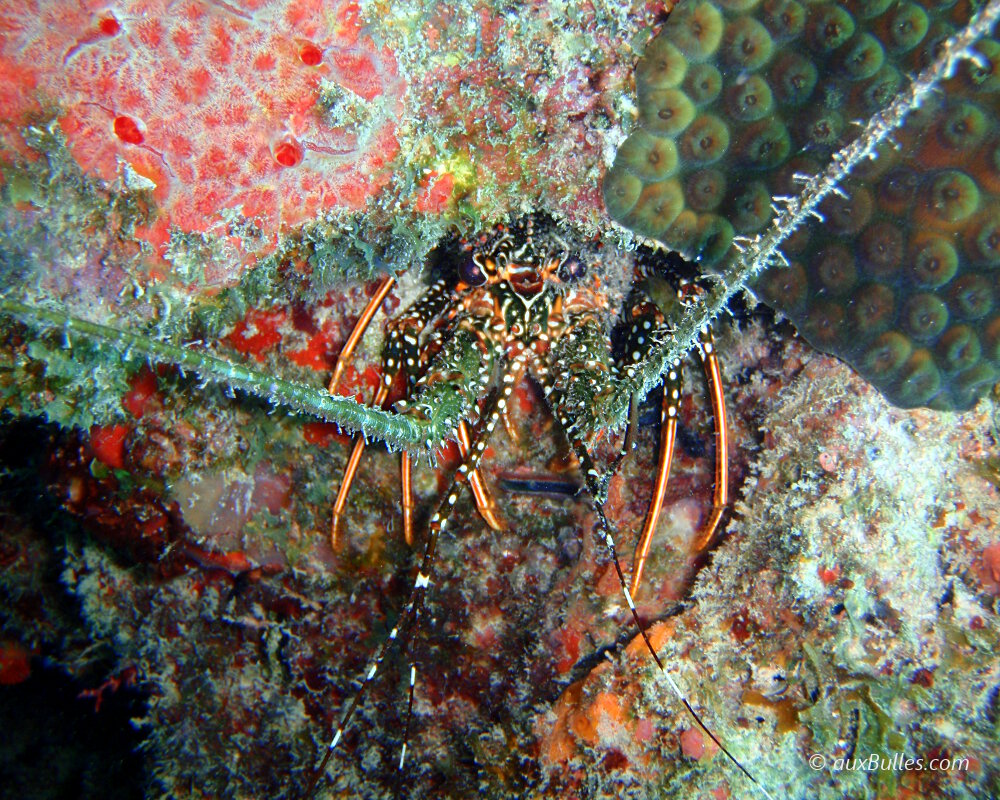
column 229, row 179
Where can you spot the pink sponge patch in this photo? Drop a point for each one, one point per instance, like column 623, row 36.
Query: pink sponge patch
column 217, row 103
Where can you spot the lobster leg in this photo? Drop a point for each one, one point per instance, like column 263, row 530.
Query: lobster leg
column 484, row 500
column 647, row 327
column 720, row 501
column 338, row 371
column 648, row 324
column 668, row 436
column 359, row 330
column 406, row 490
column 401, row 353
column 480, row 493
column 357, row 449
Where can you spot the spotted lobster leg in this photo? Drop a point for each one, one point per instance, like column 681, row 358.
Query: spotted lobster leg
column 647, row 326
column 483, row 499
column 360, row 327
column 401, row 353
column 668, row 436
column 720, row 500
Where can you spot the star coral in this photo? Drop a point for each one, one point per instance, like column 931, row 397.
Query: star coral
column 737, row 103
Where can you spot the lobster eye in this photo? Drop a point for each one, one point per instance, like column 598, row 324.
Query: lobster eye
column 572, row 269
column 470, row 273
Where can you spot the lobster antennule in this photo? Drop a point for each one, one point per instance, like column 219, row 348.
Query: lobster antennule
column 425, row 573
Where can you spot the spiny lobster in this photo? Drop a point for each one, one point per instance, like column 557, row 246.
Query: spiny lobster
column 526, row 306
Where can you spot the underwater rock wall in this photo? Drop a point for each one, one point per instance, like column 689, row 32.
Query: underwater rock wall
column 852, row 608
column 850, row 611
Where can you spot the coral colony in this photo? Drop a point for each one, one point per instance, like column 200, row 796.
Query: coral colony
column 198, row 200
column 898, row 277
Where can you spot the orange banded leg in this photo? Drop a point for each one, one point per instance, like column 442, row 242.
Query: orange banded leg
column 720, row 501
column 406, row 489
column 400, row 354
column 338, row 371
column 668, row 433
column 482, row 496
column 359, row 330
column 668, row 436
column 351, row 469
